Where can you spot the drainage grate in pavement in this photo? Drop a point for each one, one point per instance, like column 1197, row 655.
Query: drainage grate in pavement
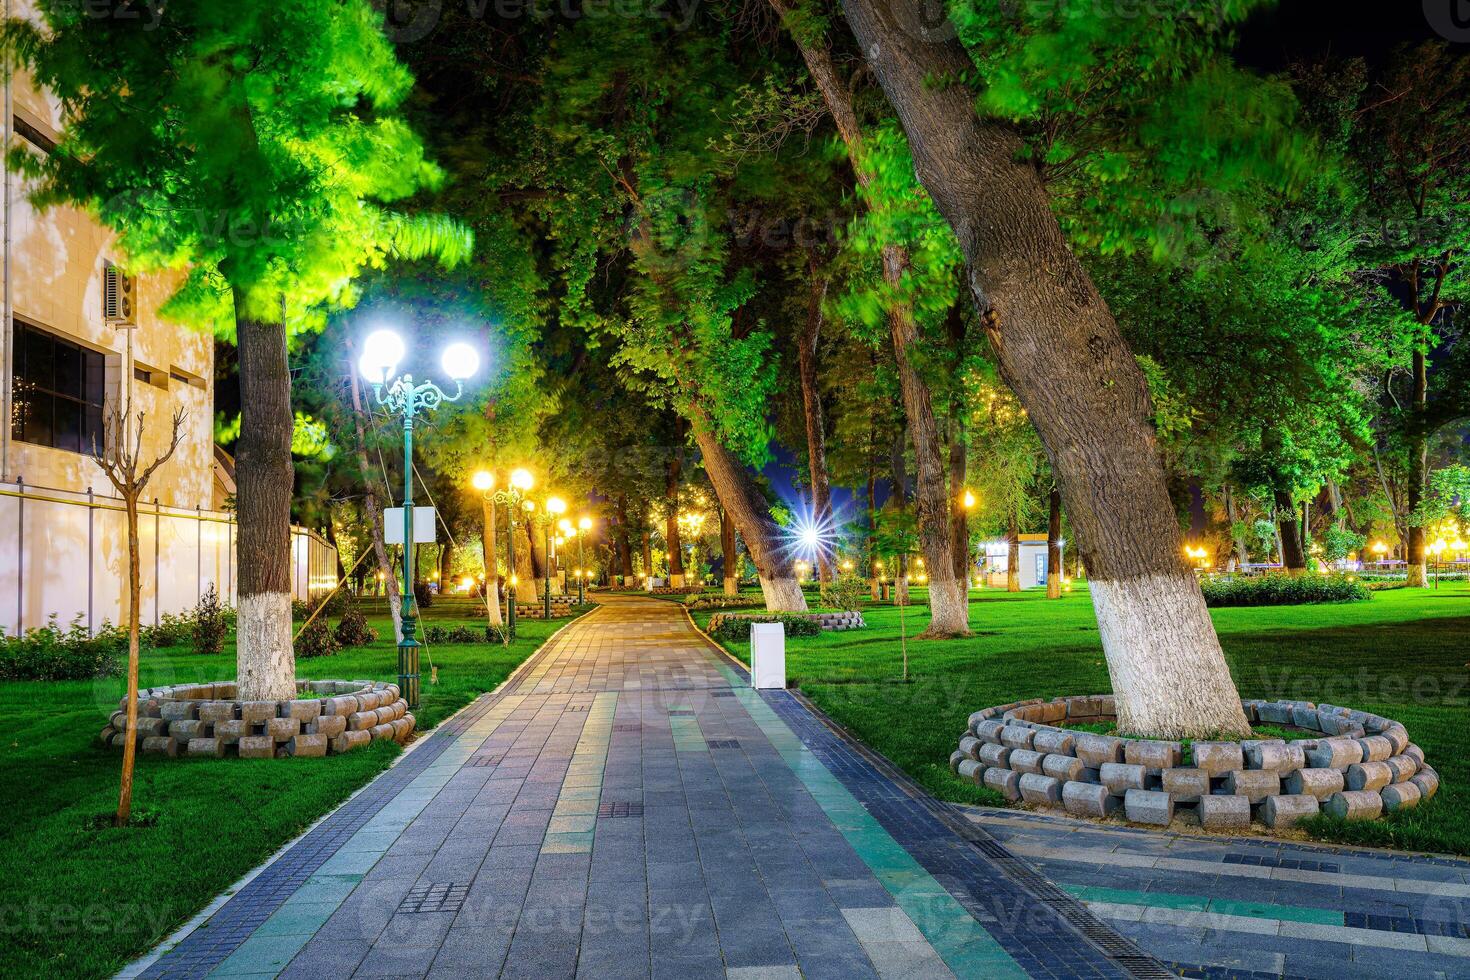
column 723, row 743
column 681, row 712
column 1270, row 861
column 482, row 761
column 577, row 707
column 722, row 694
column 620, row 809
column 446, row 896
column 628, row 726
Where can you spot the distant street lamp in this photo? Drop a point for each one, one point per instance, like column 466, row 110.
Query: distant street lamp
column 1379, row 549
column 554, row 506
column 968, row 503
column 382, row 351
column 1437, row 549
column 511, row 498
column 583, row 526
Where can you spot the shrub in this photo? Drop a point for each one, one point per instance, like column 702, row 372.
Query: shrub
column 464, row 634
column 423, row 595
column 210, row 623
column 738, row 628
column 353, row 629
column 436, row 634
column 723, row 601
column 1283, row 590
column 494, row 634
column 316, row 640
column 49, row 653
column 169, row 632
column 299, row 609
column 848, row 593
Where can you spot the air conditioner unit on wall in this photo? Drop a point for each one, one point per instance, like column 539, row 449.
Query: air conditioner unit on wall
column 118, row 296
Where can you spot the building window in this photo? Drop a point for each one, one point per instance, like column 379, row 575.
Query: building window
column 59, row 388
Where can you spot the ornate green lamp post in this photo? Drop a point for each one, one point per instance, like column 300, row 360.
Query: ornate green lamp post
column 547, row 519
column 510, row 498
column 583, row 526
column 381, row 353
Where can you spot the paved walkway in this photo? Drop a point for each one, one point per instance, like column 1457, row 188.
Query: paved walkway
column 626, row 806
column 1251, row 908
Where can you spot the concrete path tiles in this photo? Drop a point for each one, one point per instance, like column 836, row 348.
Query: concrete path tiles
column 1251, row 908
column 626, row 806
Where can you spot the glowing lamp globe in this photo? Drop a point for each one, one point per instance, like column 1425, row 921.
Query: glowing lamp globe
column 483, row 480
column 521, row 479
column 969, row 500
column 381, row 353
column 555, row 505
column 460, row 361
column 565, row 526
column 585, row 523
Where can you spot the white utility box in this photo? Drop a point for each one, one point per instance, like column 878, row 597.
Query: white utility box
column 768, row 655
column 424, row 525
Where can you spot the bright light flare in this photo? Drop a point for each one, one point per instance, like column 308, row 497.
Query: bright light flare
column 812, row 538
column 460, row 361
column 381, row 353
column 521, row 479
column 483, row 480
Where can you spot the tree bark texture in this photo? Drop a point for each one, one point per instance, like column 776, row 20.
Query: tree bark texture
column 625, row 550
column 1013, row 552
column 875, row 582
column 1293, row 557
column 1059, row 348
column 959, row 517
column 727, row 552
column 751, row 515
column 1054, row 545
column 492, row 561
column 1237, row 538
column 264, row 479
column 135, row 604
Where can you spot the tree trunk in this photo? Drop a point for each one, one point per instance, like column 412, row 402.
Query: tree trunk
column 1418, row 571
column 811, row 400
column 1335, row 506
column 1060, row 350
column 264, row 478
column 949, row 612
column 900, row 502
column 727, row 551
column 1013, row 552
column 1293, row 559
column 625, row 550
column 647, row 554
column 1054, row 545
column 874, row 579
column 135, row 602
column 446, row 566
column 492, row 561
column 1237, row 539
column 374, row 513
column 751, row 515
column 959, row 517
column 671, row 523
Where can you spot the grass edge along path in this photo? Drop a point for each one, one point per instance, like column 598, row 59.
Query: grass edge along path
column 1401, row 654
column 83, row 899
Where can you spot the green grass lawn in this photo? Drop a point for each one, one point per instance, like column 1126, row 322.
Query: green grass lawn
column 82, row 899
column 1402, row 654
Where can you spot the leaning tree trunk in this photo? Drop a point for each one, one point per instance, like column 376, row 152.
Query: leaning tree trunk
column 1293, row 557
column 959, row 517
column 1060, row 350
column 811, row 401
column 264, row 477
column 875, row 582
column 647, row 555
column 1418, row 569
column 1054, row 544
column 751, row 515
column 492, row 561
column 1013, row 552
column 727, row 553
column 374, row 514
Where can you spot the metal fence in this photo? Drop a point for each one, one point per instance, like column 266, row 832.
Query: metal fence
column 65, row 554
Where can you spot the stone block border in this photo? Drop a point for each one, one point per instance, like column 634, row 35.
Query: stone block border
column 828, row 621
column 206, row 720
column 1363, row 767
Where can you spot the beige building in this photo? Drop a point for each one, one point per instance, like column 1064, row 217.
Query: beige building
column 63, row 365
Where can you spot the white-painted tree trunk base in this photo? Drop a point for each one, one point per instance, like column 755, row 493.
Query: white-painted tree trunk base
column 265, row 662
column 783, row 595
column 1417, row 575
column 395, row 609
column 732, row 585
column 949, row 615
column 676, row 581
column 1169, row 674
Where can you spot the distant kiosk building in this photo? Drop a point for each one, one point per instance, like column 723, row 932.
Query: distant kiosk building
column 1033, row 568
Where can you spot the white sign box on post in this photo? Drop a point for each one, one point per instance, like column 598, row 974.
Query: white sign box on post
column 768, row 656
column 424, row 525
